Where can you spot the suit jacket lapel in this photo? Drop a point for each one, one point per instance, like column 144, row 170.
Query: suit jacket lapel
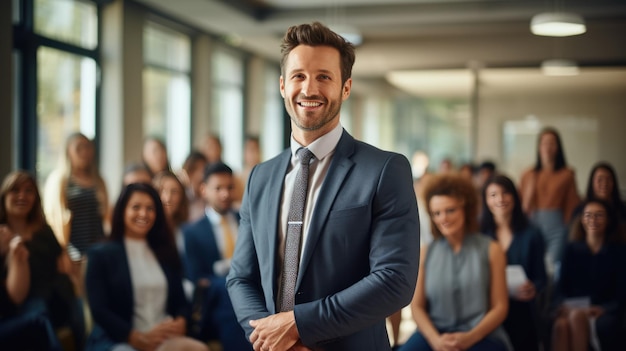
column 275, row 184
column 337, row 172
column 124, row 275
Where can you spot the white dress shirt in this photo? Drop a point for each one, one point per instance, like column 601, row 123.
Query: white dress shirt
column 222, row 266
column 323, row 148
column 149, row 285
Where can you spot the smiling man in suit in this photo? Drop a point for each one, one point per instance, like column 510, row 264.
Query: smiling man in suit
column 328, row 242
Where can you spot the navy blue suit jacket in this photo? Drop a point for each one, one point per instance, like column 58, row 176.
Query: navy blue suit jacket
column 361, row 258
column 201, row 250
column 110, row 294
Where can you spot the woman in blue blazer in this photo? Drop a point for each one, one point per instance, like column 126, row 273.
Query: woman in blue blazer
column 134, row 283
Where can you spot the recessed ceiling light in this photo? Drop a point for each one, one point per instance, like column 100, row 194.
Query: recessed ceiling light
column 557, row 24
column 559, row 68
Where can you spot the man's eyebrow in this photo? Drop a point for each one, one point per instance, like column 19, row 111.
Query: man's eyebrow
column 298, row 70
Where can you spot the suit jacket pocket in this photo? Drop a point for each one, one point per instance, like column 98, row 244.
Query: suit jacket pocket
column 358, row 210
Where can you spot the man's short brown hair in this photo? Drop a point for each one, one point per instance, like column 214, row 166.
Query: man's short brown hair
column 317, row 34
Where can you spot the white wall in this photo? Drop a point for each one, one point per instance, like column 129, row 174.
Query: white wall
column 606, row 108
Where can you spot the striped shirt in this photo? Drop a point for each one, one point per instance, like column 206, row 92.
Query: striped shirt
column 86, row 226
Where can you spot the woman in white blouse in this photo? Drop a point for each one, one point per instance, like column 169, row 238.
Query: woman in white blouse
column 134, row 281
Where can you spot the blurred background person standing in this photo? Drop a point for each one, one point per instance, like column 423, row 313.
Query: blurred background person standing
column 548, row 193
column 75, row 198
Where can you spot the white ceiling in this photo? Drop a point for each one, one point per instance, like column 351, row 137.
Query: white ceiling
column 403, row 38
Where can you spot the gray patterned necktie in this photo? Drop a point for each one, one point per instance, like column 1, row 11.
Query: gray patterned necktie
column 294, row 232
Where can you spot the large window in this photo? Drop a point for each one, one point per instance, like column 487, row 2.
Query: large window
column 227, row 69
column 166, row 86
column 66, row 101
column 69, row 21
column 56, row 53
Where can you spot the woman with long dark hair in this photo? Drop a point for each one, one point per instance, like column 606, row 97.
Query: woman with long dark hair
column 503, row 219
column 154, row 155
column 593, row 270
column 175, row 204
column 548, row 193
column 134, row 282
column 603, row 185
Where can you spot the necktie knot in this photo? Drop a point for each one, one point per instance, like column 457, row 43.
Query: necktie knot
column 304, row 155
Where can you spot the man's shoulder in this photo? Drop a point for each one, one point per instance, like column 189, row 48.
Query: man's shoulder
column 368, row 155
column 269, row 168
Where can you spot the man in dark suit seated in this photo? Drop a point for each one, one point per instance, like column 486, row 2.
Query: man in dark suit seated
column 209, row 245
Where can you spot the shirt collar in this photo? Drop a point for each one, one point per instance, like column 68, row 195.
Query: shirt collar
column 322, row 146
column 212, row 215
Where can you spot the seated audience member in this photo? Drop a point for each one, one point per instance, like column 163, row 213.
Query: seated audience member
column 172, row 194
column 134, row 281
column 154, row 155
column 211, row 147
column 21, row 215
column 209, row 244
column 467, row 171
column 176, row 206
column 136, row 173
column 486, row 170
column 445, row 166
column 503, row 219
column 603, row 185
column 461, row 298
column 23, row 325
column 191, row 176
column 591, row 286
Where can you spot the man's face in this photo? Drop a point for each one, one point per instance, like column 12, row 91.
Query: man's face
column 218, row 191
column 312, row 90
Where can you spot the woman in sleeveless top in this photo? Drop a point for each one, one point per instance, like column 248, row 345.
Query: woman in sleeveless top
column 75, row 200
column 461, row 298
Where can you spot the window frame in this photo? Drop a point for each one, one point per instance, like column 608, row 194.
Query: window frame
column 26, row 43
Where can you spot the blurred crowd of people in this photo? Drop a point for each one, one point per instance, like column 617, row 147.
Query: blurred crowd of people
column 504, row 266
column 145, row 273
column 528, row 266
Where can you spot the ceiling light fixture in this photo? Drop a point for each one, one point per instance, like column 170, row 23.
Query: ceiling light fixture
column 557, row 24
column 559, row 67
